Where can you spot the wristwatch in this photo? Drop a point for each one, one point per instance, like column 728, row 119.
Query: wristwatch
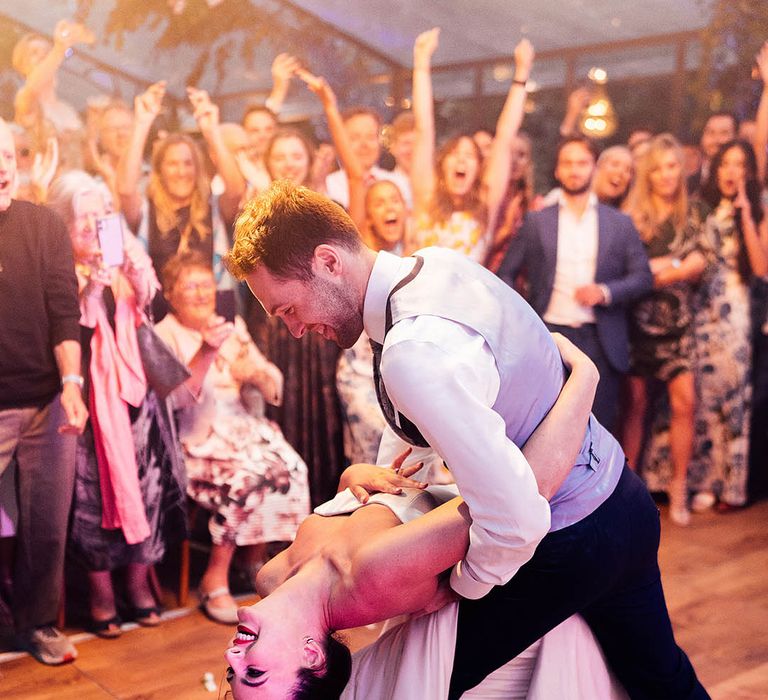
column 73, row 379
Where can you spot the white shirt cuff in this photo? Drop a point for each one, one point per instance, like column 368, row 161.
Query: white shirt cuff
column 466, row 586
column 606, row 293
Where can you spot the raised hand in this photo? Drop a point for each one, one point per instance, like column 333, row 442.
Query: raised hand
column 284, row 67
column 68, row 33
column 98, row 278
column 148, row 104
column 318, row 85
column 206, row 113
column 523, row 59
column 424, row 46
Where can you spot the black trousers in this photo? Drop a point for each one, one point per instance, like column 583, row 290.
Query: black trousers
column 603, row 567
column 607, row 396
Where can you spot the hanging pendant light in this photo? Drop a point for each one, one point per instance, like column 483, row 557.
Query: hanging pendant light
column 598, row 120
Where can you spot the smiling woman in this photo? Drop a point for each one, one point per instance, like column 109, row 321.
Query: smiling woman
column 347, row 566
column 457, row 197
column 128, row 501
column 179, row 213
column 239, row 465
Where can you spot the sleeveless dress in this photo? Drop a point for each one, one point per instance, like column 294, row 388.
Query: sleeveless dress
column 462, row 232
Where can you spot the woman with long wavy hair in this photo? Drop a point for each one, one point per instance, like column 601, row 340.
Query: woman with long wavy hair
column 179, row 213
column 737, row 233
column 661, row 331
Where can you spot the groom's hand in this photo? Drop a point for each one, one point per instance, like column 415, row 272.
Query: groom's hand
column 443, row 595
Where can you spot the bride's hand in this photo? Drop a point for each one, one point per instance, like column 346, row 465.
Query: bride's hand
column 364, row 479
column 573, row 358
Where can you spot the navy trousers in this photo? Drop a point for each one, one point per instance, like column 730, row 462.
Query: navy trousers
column 607, row 396
column 605, row 568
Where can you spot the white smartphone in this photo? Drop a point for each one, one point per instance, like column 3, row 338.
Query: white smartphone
column 110, row 232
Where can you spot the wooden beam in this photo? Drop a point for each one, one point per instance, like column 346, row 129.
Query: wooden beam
column 573, row 52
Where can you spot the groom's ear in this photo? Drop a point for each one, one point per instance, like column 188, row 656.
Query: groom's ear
column 327, row 261
column 314, row 655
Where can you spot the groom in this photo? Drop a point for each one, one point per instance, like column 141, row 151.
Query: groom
column 466, row 368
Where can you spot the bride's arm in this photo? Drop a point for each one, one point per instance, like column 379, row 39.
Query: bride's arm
column 420, row 550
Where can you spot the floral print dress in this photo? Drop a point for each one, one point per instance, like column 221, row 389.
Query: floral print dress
column 722, row 365
column 239, row 465
column 462, row 232
column 363, row 420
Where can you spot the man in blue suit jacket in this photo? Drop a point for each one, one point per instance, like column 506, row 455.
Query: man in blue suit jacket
column 584, row 262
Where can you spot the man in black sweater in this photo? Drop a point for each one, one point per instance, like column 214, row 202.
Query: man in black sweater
column 41, row 404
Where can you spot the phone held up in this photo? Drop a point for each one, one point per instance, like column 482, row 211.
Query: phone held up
column 109, row 230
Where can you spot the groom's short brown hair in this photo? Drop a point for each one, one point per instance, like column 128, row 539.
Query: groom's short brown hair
column 281, row 228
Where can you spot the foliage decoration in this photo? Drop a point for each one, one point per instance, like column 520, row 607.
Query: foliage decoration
column 724, row 79
column 229, row 33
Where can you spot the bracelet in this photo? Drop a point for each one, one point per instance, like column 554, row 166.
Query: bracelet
column 520, row 82
column 73, row 379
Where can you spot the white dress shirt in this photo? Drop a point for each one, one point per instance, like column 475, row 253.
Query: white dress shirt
column 577, row 241
column 443, row 377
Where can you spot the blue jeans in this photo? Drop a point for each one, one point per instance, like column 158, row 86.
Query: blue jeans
column 603, row 567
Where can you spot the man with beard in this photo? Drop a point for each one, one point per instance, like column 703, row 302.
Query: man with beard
column 465, row 372
column 720, row 128
column 585, row 263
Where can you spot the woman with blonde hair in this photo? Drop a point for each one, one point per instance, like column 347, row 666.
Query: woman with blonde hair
column 661, row 334
column 179, row 213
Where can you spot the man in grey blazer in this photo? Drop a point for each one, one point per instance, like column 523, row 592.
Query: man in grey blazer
column 584, row 264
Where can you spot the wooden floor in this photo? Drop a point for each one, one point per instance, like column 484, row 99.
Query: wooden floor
column 716, row 579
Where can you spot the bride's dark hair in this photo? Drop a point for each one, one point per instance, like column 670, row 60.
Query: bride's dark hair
column 329, row 682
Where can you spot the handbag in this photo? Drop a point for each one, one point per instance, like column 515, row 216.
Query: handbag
column 163, row 370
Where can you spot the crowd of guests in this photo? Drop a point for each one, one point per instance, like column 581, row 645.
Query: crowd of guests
column 651, row 257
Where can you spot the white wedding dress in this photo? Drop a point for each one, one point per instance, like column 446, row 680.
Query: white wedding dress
column 413, row 660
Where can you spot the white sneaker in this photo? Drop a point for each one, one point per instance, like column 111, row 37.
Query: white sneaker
column 48, row 645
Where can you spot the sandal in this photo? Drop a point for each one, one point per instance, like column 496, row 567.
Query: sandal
column 147, row 617
column 225, row 615
column 722, row 507
column 110, row 628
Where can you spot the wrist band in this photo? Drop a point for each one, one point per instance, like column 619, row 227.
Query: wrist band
column 72, row 379
column 520, row 82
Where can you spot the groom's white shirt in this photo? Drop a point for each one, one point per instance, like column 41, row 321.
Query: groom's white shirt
column 442, row 375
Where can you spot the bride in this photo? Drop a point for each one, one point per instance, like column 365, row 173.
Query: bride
column 385, row 560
